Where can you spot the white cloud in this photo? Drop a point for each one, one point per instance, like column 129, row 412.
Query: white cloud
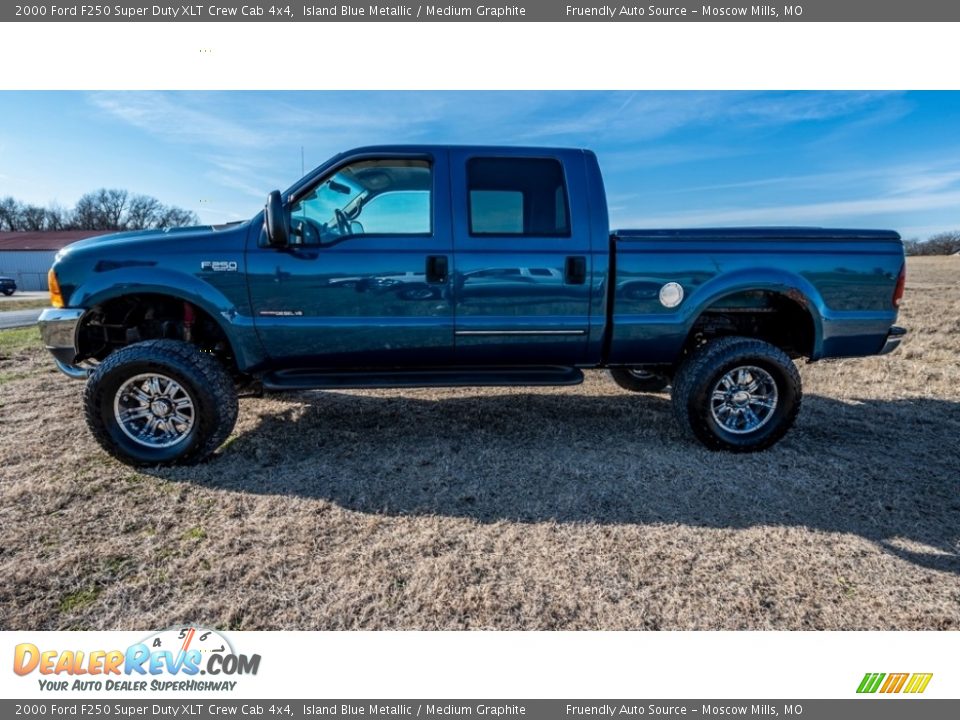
column 656, row 114
column 234, row 182
column 161, row 115
column 929, row 181
column 804, row 213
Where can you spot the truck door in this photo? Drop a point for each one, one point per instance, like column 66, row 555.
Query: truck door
column 365, row 280
column 522, row 276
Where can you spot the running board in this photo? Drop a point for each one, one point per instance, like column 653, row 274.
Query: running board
column 311, row 379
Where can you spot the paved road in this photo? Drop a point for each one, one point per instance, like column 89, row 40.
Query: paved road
column 18, row 318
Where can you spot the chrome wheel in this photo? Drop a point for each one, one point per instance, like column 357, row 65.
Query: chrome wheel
column 744, row 399
column 642, row 374
column 154, row 410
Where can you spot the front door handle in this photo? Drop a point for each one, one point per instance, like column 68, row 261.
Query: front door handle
column 575, row 272
column 437, row 268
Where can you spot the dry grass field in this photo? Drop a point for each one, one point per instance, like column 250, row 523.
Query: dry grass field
column 577, row 508
column 19, row 304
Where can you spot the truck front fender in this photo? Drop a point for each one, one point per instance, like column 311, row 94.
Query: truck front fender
column 235, row 321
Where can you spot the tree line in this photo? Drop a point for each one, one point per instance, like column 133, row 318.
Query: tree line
column 103, row 209
column 112, row 209
column 947, row 243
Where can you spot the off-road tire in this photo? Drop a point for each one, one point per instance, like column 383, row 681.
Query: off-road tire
column 205, row 380
column 8, row 293
column 645, row 383
column 699, row 374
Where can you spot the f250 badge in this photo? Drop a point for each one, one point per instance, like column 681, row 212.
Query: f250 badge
column 219, row 265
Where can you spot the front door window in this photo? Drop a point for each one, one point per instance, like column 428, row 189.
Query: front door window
column 370, row 198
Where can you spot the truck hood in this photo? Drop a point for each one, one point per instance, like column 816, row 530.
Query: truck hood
column 155, row 258
column 139, row 237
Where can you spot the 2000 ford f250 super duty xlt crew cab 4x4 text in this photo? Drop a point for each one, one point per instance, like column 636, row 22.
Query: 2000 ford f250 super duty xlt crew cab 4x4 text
column 405, row 266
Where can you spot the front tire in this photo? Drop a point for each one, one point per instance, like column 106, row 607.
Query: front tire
column 638, row 380
column 737, row 394
column 160, row 402
column 8, row 293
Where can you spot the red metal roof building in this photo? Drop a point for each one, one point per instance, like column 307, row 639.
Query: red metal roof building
column 26, row 256
column 42, row 240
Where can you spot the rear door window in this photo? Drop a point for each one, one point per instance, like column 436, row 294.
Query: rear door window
column 524, row 197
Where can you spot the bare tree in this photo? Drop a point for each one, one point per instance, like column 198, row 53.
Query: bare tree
column 86, row 214
column 113, row 204
column 107, row 209
column 171, row 217
column 9, row 214
column 32, row 217
column 57, row 217
column 101, row 209
column 104, row 209
column 143, row 211
column 945, row 243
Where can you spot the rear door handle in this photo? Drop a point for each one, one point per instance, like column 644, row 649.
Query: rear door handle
column 437, row 268
column 575, row 272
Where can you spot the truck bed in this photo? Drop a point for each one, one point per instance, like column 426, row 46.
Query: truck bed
column 844, row 278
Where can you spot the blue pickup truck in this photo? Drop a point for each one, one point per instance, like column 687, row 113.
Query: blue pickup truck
column 409, row 266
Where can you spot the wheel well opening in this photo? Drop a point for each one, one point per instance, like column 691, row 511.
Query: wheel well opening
column 131, row 319
column 779, row 319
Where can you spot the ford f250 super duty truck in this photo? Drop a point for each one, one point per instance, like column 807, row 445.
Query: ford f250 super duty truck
column 406, row 266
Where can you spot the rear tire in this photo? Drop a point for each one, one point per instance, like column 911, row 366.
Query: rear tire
column 8, row 293
column 160, row 402
column 637, row 380
column 738, row 394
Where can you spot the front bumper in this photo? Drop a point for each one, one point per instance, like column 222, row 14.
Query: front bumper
column 894, row 337
column 58, row 330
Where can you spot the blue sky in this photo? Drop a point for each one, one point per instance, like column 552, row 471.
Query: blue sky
column 669, row 158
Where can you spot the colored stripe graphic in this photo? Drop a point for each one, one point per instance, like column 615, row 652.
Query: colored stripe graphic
column 870, row 682
column 894, row 682
column 918, row 683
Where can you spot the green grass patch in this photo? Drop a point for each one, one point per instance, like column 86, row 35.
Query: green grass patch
column 195, row 533
column 8, row 377
column 79, row 599
column 17, row 340
column 847, row 587
column 165, row 553
column 116, row 565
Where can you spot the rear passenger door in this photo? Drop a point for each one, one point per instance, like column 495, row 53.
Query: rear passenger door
column 522, row 267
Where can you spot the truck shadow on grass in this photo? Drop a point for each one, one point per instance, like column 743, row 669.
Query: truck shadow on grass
column 888, row 471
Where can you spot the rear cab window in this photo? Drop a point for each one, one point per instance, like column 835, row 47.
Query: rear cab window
column 518, row 197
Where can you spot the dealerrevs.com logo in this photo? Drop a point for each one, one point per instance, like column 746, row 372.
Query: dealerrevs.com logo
column 910, row 683
column 169, row 660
